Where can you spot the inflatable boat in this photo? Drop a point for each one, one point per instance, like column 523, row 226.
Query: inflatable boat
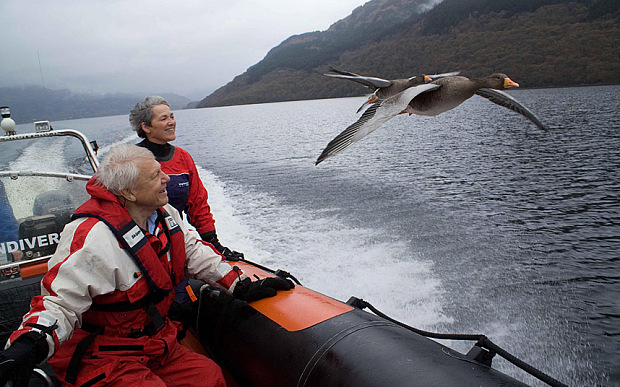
column 297, row 338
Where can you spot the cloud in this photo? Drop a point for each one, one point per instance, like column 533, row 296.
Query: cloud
column 190, row 47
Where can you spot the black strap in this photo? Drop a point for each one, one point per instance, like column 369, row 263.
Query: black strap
column 94, row 380
column 157, row 323
column 92, row 328
column 149, row 303
column 121, row 347
column 164, row 251
column 148, row 330
column 131, row 250
column 161, row 218
column 127, row 306
column 78, row 354
column 157, row 319
column 43, row 328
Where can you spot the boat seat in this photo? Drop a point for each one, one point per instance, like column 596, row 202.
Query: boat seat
column 57, row 203
column 40, row 232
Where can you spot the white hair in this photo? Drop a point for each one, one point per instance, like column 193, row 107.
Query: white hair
column 143, row 113
column 119, row 168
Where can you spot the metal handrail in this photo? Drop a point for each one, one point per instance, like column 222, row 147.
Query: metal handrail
column 14, row 175
column 92, row 156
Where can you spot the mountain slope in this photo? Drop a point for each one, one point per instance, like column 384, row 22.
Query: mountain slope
column 298, row 55
column 33, row 103
column 537, row 42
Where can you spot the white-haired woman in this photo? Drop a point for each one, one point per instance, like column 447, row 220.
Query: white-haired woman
column 153, row 121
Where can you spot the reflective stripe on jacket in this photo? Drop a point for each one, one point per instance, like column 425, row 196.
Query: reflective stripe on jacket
column 91, row 264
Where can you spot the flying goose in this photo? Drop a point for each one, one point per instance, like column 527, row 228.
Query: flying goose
column 384, row 88
column 375, row 116
column 428, row 99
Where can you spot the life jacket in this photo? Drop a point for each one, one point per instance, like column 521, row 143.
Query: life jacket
column 106, row 207
column 138, row 312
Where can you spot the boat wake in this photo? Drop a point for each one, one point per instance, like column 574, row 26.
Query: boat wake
column 49, row 157
column 325, row 253
column 106, row 147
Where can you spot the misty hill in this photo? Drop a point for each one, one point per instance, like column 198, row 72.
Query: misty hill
column 538, row 43
column 33, row 103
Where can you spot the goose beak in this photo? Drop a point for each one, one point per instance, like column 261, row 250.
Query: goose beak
column 509, row 83
column 427, row 79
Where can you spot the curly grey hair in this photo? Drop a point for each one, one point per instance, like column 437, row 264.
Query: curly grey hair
column 143, row 112
column 119, row 168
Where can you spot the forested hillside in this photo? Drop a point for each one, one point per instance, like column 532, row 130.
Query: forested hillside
column 538, row 43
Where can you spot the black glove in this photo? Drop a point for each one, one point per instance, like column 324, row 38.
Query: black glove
column 18, row 361
column 231, row 255
column 249, row 291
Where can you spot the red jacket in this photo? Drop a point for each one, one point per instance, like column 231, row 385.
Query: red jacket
column 186, row 192
column 93, row 266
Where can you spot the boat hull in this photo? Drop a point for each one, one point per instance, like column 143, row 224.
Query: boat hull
column 350, row 348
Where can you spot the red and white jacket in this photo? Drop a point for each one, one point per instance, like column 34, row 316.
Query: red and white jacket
column 94, row 267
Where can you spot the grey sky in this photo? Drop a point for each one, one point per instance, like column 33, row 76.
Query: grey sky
column 190, row 47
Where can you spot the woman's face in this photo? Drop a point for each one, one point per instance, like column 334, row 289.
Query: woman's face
column 163, row 127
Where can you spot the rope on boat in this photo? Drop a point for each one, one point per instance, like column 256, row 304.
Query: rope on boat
column 481, row 341
column 279, row 273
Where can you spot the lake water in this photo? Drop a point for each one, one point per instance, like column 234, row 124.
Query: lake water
column 474, row 221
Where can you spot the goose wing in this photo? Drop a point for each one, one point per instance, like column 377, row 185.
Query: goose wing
column 371, row 98
column 375, row 116
column 443, row 75
column 507, row 101
column 370, row 82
